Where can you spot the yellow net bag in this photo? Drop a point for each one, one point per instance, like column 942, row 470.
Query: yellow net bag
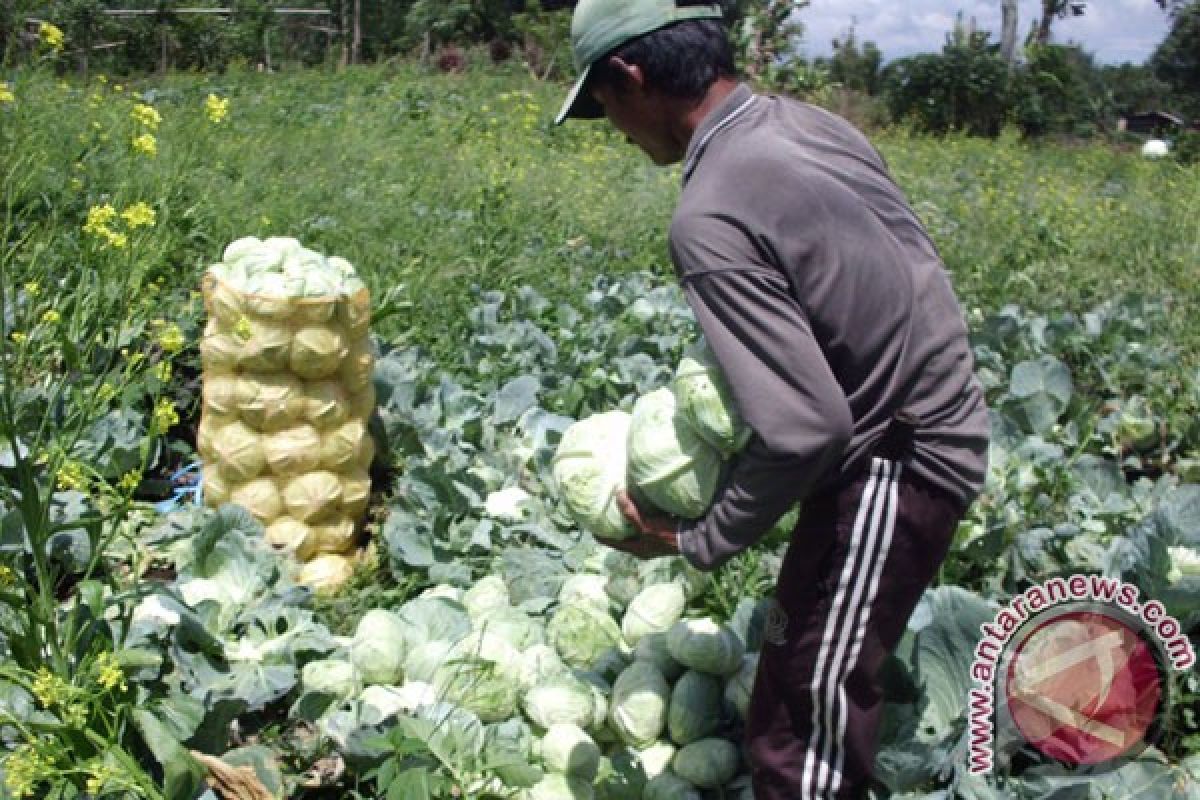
column 287, row 396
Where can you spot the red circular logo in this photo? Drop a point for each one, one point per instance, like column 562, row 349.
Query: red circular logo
column 1083, row 688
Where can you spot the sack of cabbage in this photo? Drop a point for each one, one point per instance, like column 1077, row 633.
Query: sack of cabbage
column 668, row 453
column 287, row 395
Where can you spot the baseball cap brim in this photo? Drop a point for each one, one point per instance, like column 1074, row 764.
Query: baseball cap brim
column 580, row 104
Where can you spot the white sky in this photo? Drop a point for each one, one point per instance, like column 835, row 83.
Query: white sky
column 1114, row 31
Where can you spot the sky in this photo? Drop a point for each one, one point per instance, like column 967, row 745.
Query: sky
column 1115, row 31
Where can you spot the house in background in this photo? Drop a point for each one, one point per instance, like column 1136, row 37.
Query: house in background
column 1152, row 123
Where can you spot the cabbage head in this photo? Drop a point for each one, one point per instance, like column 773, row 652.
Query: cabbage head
column 706, row 401
column 567, row 749
column 589, row 467
column 708, row 763
column 481, row 674
column 656, row 759
column 581, row 633
column 513, row 625
column 669, row 786
column 554, row 786
column 489, row 592
column 424, row 659
column 740, row 686
column 653, row 648
column 585, row 587
column 669, row 463
column 379, row 646
column 638, row 712
column 706, row 646
column 331, row 676
column 653, row 610
column 621, row 776
column 539, row 663
column 560, row 699
column 696, row 707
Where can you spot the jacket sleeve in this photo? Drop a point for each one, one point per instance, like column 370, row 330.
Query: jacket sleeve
column 783, row 388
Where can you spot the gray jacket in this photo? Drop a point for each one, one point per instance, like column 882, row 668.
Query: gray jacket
column 827, row 307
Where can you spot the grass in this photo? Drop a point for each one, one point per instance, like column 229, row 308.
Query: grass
column 438, row 185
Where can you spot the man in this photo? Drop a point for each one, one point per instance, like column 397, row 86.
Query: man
column 832, row 317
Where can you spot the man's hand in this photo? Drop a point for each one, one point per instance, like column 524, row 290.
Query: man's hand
column 657, row 532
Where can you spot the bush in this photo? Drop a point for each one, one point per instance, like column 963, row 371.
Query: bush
column 1187, row 148
column 963, row 88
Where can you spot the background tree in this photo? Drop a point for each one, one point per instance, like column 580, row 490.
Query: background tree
column 1008, row 30
column 854, row 66
column 1051, row 10
column 1176, row 62
column 963, row 88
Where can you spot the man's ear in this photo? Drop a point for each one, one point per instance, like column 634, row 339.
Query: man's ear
column 631, row 74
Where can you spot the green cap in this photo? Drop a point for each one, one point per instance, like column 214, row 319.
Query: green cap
column 600, row 26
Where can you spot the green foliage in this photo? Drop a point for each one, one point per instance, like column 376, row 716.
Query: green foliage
column 1177, row 60
column 1187, row 148
column 963, row 88
column 1055, row 91
column 521, row 283
column 855, row 66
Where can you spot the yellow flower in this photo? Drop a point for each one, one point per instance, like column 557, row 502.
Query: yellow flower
column 146, row 143
column 48, row 688
column 6, row 94
column 216, row 108
column 146, row 116
column 18, row 337
column 24, row 769
column 100, row 775
column 171, row 339
column 70, row 476
column 51, row 36
column 162, row 371
column 164, row 416
column 51, row 317
column 7, row 576
column 243, row 330
column 98, row 218
column 117, row 240
column 110, row 673
column 139, row 214
column 129, row 482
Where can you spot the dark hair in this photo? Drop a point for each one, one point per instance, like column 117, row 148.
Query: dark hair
column 681, row 60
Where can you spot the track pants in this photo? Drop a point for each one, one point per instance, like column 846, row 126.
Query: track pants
column 859, row 560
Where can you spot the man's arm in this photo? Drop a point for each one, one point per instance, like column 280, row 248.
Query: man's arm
column 784, row 389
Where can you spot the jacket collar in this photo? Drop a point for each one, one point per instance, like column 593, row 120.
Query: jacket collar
column 733, row 106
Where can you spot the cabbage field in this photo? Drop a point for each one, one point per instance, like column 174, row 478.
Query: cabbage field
column 486, row 647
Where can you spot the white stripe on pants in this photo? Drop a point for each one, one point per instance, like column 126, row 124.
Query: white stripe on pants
column 845, row 628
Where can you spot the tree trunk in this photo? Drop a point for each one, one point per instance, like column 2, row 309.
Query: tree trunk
column 1008, row 38
column 356, row 41
column 344, row 24
column 1049, row 9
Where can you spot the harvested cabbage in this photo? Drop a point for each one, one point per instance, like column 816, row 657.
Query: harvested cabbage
column 378, row 648
column 668, row 461
column 581, row 633
column 653, row 610
column 589, row 467
column 706, row 646
column 696, row 707
column 706, row 401
column 638, row 712
column 708, row 763
column 567, row 749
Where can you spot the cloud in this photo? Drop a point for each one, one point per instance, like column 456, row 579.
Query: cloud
column 1113, row 30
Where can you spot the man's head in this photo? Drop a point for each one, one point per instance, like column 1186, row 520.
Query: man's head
column 644, row 62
